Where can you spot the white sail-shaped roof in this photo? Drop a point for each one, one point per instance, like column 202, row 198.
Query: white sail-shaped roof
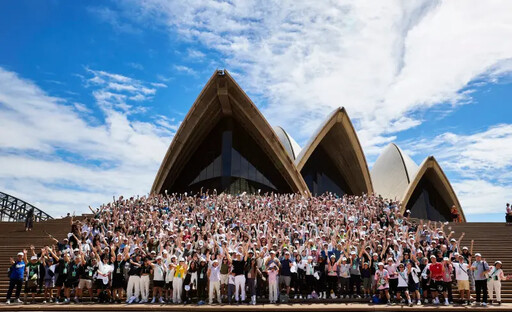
column 393, row 172
column 291, row 146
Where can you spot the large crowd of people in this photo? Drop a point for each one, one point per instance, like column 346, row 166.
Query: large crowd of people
column 233, row 249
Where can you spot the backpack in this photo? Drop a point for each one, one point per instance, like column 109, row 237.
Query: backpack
column 284, row 298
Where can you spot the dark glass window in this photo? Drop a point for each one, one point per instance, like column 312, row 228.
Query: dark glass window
column 427, row 203
column 229, row 160
column 321, row 175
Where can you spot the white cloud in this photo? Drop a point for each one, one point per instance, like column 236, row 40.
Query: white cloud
column 382, row 60
column 480, row 165
column 185, row 69
column 51, row 155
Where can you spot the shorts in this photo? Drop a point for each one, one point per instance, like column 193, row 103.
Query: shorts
column 60, row 281
column 49, row 283
column 118, row 282
column 367, row 283
column 223, row 279
column 463, row 285
column 437, row 286
column 424, row 284
column 99, row 284
column 158, row 283
column 30, row 286
column 402, row 289
column 168, row 286
column 285, row 280
column 85, row 283
column 413, row 287
column 71, row 283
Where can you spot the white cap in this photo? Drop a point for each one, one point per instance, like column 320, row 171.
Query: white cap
column 478, row 255
column 380, row 263
column 20, row 253
column 159, row 258
column 33, row 258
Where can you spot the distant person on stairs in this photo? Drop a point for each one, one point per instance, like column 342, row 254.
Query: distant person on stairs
column 508, row 215
column 29, row 220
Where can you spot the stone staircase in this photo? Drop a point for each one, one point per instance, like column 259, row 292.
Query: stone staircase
column 14, row 239
column 493, row 241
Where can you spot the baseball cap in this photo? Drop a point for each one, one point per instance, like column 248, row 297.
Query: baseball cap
column 478, row 255
column 20, row 253
column 33, row 258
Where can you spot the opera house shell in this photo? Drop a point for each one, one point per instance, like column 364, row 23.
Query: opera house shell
column 225, row 144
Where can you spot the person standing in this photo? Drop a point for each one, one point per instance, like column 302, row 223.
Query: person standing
column 462, row 275
column 133, row 290
column 214, row 277
column 158, row 279
column 480, row 268
column 16, row 275
column 496, row 275
column 29, row 220
column 436, row 279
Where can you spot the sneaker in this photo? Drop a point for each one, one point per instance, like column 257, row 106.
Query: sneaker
column 161, row 300
column 300, row 296
column 295, row 297
column 18, row 300
column 76, row 300
column 419, row 302
column 66, row 301
column 8, row 301
column 484, row 304
column 154, row 300
column 446, row 303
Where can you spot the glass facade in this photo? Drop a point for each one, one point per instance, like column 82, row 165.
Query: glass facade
column 321, row 175
column 229, row 160
column 427, row 203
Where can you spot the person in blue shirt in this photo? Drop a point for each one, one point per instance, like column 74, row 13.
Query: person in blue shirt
column 16, row 275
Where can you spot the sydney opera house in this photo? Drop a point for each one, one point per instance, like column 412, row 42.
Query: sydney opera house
column 225, row 143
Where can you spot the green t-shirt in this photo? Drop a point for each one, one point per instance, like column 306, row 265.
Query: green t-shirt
column 33, row 270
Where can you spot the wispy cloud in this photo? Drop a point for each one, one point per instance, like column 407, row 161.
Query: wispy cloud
column 383, row 61
column 113, row 18
column 62, row 162
column 185, row 69
column 480, row 164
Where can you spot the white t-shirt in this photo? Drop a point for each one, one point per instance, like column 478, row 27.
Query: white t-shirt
column 403, row 278
column 461, row 271
column 215, row 273
column 158, row 272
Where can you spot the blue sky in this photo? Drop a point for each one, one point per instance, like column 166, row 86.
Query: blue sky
column 91, row 92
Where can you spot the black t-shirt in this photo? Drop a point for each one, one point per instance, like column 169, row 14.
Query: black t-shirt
column 134, row 269
column 238, row 267
column 201, row 272
column 118, row 269
column 145, row 269
column 62, row 268
column 73, row 271
column 285, row 267
column 87, row 271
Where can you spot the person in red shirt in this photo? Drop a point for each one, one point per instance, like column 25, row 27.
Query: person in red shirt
column 436, row 278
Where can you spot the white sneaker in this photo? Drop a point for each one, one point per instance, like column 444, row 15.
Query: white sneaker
column 8, row 301
column 419, row 302
column 18, row 300
column 295, row 297
column 154, row 300
column 161, row 300
column 484, row 304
